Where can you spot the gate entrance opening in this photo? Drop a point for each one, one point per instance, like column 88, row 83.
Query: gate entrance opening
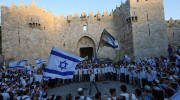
column 86, row 51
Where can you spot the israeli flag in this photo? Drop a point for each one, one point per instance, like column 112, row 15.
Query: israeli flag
column 109, row 39
column 20, row 64
column 176, row 96
column 61, row 64
column 40, row 61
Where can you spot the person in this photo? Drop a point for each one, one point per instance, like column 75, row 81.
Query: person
column 69, row 97
column 128, row 96
column 98, row 96
column 76, row 75
column 1, row 97
column 138, row 94
column 92, row 82
column 178, row 59
column 58, row 98
column 170, row 51
column 147, row 93
column 157, row 93
column 26, row 95
column 81, row 95
column 112, row 91
column 5, row 96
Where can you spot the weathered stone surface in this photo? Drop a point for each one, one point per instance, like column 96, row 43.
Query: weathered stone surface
column 173, row 32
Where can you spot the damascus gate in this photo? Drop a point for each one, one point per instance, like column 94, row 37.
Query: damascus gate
column 29, row 31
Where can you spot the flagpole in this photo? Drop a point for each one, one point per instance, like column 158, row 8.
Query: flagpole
column 99, row 42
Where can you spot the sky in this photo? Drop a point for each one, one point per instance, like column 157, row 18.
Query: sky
column 57, row 7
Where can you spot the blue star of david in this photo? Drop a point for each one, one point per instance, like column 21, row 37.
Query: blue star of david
column 63, row 65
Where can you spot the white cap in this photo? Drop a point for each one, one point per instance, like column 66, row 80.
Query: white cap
column 157, row 81
column 80, row 89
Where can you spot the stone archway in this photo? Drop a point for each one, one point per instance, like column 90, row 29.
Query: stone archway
column 86, row 47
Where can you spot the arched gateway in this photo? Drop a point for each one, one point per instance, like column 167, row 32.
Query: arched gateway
column 86, row 47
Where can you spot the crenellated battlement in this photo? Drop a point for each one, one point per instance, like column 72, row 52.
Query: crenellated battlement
column 33, row 8
column 171, row 22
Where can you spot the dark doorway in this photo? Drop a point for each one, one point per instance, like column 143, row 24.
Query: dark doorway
column 87, row 51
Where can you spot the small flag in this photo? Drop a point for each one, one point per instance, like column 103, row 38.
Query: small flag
column 61, row 64
column 40, row 61
column 95, row 59
column 29, row 69
column 20, row 64
column 86, row 58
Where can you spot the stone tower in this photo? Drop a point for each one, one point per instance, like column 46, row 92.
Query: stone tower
column 148, row 28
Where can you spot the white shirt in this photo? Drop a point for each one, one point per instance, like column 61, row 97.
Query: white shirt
column 19, row 98
column 31, row 80
column 122, row 70
column 83, row 97
column 142, row 74
column 23, row 82
column 118, row 71
column 106, row 69
column 126, row 71
column 92, row 77
column 38, row 78
column 154, row 74
column 126, row 95
column 149, row 77
column 85, row 71
column 113, row 98
column 76, row 72
column 99, row 71
column 95, row 70
column 26, row 97
column 6, row 96
column 80, row 71
column 134, row 74
column 29, row 69
column 103, row 70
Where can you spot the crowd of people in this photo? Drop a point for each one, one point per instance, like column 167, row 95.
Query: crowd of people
column 154, row 78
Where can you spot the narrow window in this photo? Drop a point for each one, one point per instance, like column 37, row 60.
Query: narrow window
column 132, row 18
column 147, row 17
column 149, row 30
column 136, row 18
column 84, row 28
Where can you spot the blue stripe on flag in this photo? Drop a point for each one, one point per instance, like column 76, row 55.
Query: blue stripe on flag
column 17, row 67
column 41, row 62
column 58, row 73
column 64, row 56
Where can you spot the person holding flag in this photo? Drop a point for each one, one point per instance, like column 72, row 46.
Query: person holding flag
column 92, row 81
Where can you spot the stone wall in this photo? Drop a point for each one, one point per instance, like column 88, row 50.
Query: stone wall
column 124, row 29
column 149, row 28
column 173, row 32
column 30, row 32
